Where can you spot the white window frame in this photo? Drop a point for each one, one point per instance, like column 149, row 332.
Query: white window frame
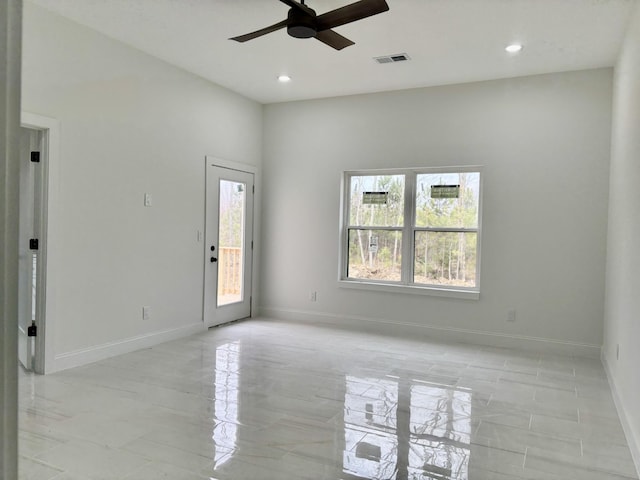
column 408, row 236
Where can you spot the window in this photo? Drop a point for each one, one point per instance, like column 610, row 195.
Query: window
column 413, row 228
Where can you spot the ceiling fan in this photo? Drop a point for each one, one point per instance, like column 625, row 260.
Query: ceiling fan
column 303, row 22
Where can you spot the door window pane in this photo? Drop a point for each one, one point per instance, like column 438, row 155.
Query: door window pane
column 34, row 285
column 448, row 200
column 375, row 254
column 231, row 242
column 377, row 200
column 445, row 258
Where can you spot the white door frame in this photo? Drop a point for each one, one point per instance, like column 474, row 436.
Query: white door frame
column 44, row 359
column 242, row 167
column 10, row 47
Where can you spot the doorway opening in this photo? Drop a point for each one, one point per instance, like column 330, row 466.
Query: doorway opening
column 33, row 155
column 39, row 140
column 228, row 242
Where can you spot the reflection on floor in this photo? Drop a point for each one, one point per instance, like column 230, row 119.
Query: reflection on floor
column 268, row 400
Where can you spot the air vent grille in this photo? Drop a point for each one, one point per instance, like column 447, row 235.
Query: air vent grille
column 398, row 57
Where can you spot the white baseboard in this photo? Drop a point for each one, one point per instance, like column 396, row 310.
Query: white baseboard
column 459, row 335
column 96, row 353
column 633, row 440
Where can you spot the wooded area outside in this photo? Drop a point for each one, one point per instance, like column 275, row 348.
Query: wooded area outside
column 230, row 241
column 444, row 234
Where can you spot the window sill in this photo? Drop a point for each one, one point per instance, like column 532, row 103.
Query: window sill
column 410, row 289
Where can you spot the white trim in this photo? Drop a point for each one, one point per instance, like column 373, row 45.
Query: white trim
column 410, row 289
column 242, row 167
column 395, row 171
column 51, row 178
column 257, row 205
column 448, row 334
column 215, row 314
column 632, row 441
column 96, row 353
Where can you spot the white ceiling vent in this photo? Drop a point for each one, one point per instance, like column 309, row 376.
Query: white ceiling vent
column 398, row 57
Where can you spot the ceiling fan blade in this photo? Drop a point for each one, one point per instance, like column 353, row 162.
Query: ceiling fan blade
column 350, row 13
column 334, row 39
column 299, row 6
column 259, row 33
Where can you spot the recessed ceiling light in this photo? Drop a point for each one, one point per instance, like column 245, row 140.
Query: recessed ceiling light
column 284, row 78
column 514, row 48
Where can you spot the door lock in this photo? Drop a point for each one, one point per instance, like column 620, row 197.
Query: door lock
column 214, row 259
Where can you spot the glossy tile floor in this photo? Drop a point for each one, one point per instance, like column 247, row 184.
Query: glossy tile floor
column 267, row 400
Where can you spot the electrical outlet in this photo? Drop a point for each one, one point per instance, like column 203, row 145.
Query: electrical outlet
column 511, row 316
column 146, row 313
column 618, row 351
column 148, row 200
column 313, row 296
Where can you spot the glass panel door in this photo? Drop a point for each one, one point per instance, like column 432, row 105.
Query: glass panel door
column 229, row 245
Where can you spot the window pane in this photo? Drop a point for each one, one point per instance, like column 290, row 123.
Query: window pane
column 375, row 254
column 445, row 258
column 447, row 200
column 231, row 241
column 377, row 200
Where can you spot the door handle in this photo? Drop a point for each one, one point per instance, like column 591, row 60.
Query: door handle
column 214, row 259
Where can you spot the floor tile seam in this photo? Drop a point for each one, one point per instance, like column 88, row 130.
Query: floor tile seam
column 61, row 474
column 474, row 442
column 592, row 468
column 91, row 443
column 40, row 461
column 506, row 381
column 579, row 416
column 556, row 436
column 47, row 449
column 537, row 433
column 162, row 444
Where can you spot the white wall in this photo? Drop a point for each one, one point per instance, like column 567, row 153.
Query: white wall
column 10, row 39
column 622, row 312
column 544, row 142
column 130, row 124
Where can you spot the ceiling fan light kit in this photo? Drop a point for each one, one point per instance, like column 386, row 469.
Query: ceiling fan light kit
column 303, row 22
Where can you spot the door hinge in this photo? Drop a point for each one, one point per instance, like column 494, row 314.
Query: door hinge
column 32, row 331
column 251, row 244
column 253, row 189
column 35, row 157
column 33, row 244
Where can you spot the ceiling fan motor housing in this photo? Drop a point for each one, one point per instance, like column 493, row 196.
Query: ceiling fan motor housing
column 301, row 24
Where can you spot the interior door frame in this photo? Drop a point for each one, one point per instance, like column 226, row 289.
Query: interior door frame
column 31, row 204
column 242, row 167
column 50, row 128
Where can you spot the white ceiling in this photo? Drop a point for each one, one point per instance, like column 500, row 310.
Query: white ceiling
column 449, row 41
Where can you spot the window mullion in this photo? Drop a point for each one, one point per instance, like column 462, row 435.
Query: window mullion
column 407, row 228
column 346, row 209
